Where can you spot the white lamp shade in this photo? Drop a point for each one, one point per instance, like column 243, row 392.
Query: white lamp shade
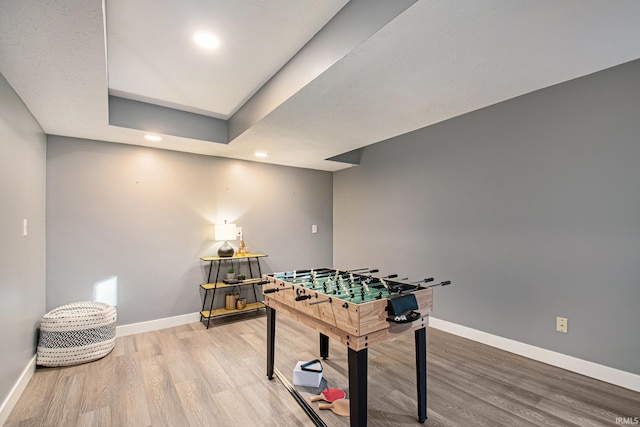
column 224, row 232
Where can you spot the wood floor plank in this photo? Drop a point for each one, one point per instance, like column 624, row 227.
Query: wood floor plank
column 99, row 391
column 172, row 347
column 64, row 403
column 587, row 408
column 130, row 408
column 165, row 408
column 213, row 371
column 571, row 414
column 31, row 422
column 148, row 344
column 35, row 398
column 183, row 368
column 232, row 406
column 100, row 417
column 193, row 376
column 196, row 399
column 599, row 393
column 521, row 403
column 124, row 345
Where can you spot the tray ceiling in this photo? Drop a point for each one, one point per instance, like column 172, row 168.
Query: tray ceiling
column 301, row 80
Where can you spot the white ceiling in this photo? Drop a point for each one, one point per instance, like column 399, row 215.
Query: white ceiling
column 436, row 60
column 152, row 57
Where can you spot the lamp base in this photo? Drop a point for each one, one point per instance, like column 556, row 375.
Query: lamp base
column 225, row 250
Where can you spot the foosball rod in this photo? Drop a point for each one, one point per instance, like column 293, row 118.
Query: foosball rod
column 356, row 284
column 356, row 270
column 321, row 301
column 391, row 287
column 310, row 282
column 341, row 273
column 369, row 281
column 355, row 290
column 302, row 273
column 325, row 275
column 445, row 283
column 308, row 274
column 349, row 291
column 272, row 290
column 430, row 279
column 337, row 274
column 336, row 287
column 370, row 294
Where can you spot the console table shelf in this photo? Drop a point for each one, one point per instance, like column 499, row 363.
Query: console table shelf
column 221, row 285
column 220, row 312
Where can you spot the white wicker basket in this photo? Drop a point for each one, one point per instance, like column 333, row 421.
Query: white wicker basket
column 76, row 333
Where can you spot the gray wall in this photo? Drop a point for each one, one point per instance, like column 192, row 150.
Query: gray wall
column 145, row 216
column 531, row 207
column 22, row 259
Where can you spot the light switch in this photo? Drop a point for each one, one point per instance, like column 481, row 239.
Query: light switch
column 25, row 230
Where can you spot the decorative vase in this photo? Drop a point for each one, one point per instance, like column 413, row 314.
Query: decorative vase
column 230, row 301
column 241, row 303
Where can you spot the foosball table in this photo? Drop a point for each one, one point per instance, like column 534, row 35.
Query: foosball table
column 358, row 310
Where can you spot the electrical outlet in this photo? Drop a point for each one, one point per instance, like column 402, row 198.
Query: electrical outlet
column 314, row 229
column 562, row 324
column 239, row 232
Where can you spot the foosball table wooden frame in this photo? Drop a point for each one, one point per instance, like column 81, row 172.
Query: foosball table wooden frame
column 357, row 325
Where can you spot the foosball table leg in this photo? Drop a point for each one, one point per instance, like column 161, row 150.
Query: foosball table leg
column 271, row 340
column 324, row 346
column 421, row 372
column 357, row 361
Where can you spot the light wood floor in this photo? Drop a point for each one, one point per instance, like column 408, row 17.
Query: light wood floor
column 190, row 376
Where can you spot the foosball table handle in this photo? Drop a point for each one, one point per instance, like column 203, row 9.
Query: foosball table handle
column 367, row 270
column 272, row 290
column 448, row 282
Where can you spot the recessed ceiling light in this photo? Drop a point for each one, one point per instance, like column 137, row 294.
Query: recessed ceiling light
column 152, row 138
column 262, row 154
column 206, row 40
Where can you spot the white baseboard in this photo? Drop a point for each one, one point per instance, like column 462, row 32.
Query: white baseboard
column 570, row 363
column 154, row 325
column 15, row 393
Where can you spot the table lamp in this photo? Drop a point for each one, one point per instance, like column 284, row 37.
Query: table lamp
column 225, row 232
